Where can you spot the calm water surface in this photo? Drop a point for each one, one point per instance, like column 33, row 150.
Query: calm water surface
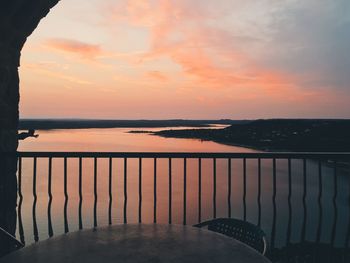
column 118, row 140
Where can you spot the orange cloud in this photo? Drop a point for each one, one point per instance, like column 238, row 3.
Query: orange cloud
column 82, row 49
column 156, row 75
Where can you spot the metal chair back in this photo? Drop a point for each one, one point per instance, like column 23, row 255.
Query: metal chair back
column 243, row 231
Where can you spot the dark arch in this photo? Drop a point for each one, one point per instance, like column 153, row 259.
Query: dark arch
column 18, row 19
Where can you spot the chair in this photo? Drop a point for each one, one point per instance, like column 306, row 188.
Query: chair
column 8, row 243
column 243, row 231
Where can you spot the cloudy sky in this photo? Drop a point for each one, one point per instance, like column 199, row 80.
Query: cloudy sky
column 161, row 59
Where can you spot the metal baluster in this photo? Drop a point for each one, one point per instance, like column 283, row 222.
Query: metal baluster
column 199, row 190
column 229, row 186
column 140, row 190
column 273, row 231
column 170, row 191
column 95, row 192
column 259, row 192
column 289, row 228
column 66, row 227
column 214, row 187
column 303, row 231
column 110, row 191
column 125, row 190
column 50, row 198
column 20, row 223
column 185, row 191
column 347, row 241
column 244, row 189
column 155, row 192
column 335, row 183
column 80, row 194
column 35, row 226
column 319, row 228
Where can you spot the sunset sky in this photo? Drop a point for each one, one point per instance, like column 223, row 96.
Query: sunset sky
column 193, row 59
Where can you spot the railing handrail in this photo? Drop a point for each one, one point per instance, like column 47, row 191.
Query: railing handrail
column 248, row 155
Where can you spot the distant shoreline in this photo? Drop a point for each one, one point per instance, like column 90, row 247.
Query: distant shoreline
column 276, row 135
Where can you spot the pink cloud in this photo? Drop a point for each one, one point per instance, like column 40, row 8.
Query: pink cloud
column 82, row 49
column 209, row 56
column 156, row 75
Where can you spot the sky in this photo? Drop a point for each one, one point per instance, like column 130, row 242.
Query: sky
column 191, row 59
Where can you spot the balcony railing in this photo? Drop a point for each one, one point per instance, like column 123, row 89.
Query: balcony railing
column 294, row 197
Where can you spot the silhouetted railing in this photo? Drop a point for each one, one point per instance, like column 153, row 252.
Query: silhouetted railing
column 221, row 199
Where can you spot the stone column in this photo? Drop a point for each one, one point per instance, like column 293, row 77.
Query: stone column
column 9, row 98
column 18, row 19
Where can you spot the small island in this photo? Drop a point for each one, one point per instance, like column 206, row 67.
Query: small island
column 135, row 131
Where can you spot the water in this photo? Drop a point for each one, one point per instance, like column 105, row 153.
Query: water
column 119, row 140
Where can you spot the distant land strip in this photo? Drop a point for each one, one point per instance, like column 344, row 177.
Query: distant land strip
column 297, row 135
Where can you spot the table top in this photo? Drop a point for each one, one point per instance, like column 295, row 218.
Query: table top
column 138, row 243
